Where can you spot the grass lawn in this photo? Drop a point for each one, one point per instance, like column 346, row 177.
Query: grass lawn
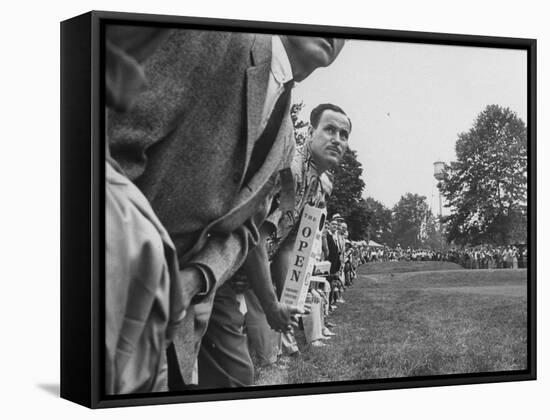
column 416, row 319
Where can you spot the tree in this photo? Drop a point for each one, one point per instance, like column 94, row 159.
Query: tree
column 409, row 221
column 434, row 237
column 300, row 126
column 486, row 188
column 347, row 185
column 358, row 221
column 379, row 220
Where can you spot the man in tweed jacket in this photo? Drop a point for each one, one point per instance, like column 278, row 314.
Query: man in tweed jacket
column 188, row 142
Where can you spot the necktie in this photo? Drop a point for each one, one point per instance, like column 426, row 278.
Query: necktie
column 267, row 138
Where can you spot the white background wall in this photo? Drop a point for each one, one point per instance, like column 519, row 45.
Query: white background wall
column 29, row 170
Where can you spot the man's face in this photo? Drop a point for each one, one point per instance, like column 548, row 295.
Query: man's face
column 343, row 228
column 329, row 140
column 308, row 53
column 321, row 51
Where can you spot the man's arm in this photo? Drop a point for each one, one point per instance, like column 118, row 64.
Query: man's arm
column 281, row 263
column 280, row 316
column 222, row 255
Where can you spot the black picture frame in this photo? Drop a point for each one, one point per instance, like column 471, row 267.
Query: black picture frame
column 82, row 207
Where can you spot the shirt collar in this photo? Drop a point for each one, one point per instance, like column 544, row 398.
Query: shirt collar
column 280, row 64
column 309, row 158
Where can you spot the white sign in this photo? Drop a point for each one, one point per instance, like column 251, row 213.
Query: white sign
column 303, row 257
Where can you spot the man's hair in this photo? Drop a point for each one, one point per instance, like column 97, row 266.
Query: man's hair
column 316, row 113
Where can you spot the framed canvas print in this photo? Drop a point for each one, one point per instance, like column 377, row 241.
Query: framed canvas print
column 255, row 209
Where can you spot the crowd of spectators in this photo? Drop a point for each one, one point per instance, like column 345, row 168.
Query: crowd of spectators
column 474, row 257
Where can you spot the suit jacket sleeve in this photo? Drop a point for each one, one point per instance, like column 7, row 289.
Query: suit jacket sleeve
column 222, row 256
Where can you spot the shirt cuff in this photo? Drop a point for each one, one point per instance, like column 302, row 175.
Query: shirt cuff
column 207, row 283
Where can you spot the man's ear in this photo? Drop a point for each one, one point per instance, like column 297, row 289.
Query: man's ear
column 310, row 130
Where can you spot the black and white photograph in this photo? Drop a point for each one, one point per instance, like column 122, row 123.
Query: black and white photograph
column 285, row 210
column 277, row 210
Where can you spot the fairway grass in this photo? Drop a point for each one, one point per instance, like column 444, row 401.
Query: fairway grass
column 418, row 323
column 407, row 266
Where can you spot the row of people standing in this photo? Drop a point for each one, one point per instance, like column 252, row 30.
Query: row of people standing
column 258, row 328
column 330, row 281
column 479, row 257
column 335, row 268
column 489, row 257
column 199, row 121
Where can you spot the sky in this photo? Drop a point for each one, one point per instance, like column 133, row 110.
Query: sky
column 408, row 103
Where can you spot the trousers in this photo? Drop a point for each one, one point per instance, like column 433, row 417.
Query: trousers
column 224, row 360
